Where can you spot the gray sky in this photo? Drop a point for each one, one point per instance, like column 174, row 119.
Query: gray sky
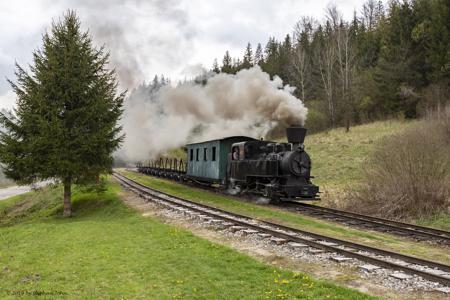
column 148, row 37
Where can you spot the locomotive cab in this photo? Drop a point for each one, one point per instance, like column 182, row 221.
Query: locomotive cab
column 250, row 150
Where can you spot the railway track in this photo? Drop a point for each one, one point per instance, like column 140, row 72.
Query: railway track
column 416, row 232
column 384, row 225
column 281, row 234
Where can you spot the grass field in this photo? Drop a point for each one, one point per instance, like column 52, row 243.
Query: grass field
column 338, row 157
column 441, row 221
column 269, row 213
column 108, row 251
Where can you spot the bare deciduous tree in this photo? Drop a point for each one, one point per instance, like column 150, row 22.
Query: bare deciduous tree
column 325, row 56
column 303, row 32
column 342, row 45
column 371, row 13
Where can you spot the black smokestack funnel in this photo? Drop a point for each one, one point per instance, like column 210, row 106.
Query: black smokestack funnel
column 296, row 135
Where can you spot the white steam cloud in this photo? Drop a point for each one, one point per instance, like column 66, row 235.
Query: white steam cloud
column 248, row 103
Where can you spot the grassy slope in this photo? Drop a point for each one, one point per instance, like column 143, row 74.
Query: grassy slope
column 338, row 159
column 338, row 156
column 109, row 251
column 373, row 239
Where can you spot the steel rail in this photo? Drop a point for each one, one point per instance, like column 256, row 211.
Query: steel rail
column 378, row 223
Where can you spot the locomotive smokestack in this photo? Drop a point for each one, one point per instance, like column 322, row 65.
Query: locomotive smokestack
column 296, row 135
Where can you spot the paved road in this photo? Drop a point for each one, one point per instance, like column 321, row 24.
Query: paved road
column 12, row 191
column 17, row 190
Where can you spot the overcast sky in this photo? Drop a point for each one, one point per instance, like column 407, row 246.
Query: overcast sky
column 148, row 37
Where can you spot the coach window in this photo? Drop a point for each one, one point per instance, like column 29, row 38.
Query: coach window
column 204, row 153
column 191, row 155
column 213, row 158
column 196, row 154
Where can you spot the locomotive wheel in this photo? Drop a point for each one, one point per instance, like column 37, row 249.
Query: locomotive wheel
column 271, row 195
column 274, row 200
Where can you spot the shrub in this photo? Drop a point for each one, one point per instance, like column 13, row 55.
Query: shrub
column 408, row 175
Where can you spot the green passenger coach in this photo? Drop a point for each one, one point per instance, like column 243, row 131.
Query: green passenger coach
column 207, row 161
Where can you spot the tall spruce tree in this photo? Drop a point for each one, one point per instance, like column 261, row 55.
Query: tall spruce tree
column 247, row 61
column 65, row 124
column 258, row 55
column 271, row 64
column 215, row 67
column 227, row 63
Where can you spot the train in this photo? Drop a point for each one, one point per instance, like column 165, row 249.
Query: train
column 241, row 164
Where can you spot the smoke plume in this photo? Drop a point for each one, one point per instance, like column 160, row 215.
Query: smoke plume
column 248, row 103
column 141, row 35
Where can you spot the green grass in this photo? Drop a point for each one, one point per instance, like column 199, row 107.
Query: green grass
column 108, row 251
column 374, row 239
column 29, row 206
column 5, row 203
column 441, row 221
column 338, row 157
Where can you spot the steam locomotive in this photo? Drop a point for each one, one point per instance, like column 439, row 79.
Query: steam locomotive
column 278, row 171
